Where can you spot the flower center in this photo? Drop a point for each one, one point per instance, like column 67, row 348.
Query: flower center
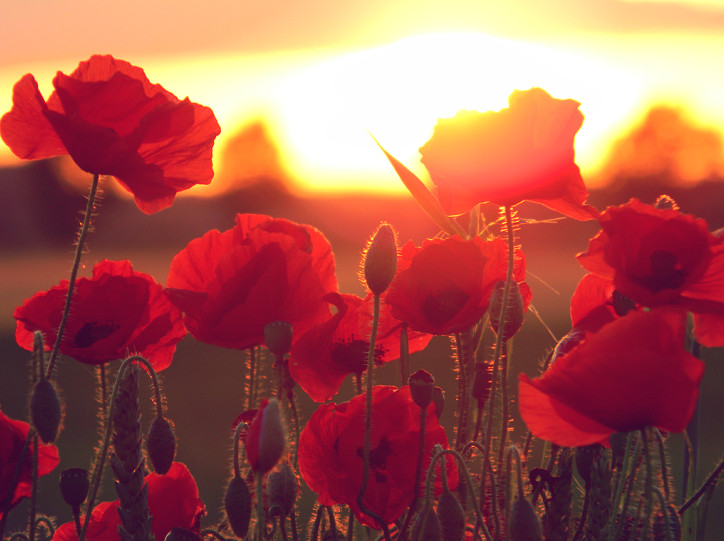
column 378, row 458
column 93, row 331
column 441, row 306
column 666, row 272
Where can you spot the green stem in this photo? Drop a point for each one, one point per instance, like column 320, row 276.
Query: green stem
column 418, row 475
column 260, row 520
column 648, row 481
column 463, row 394
column 84, row 228
column 34, row 493
column 251, row 397
column 404, row 355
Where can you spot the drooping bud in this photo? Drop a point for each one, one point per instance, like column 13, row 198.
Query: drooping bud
column 237, row 504
column 278, row 337
column 45, row 410
column 427, row 526
column 265, row 439
column 514, row 310
column 422, row 386
column 525, row 524
column 161, row 445
column 481, row 383
column 281, row 490
column 438, row 397
column 452, row 517
column 181, row 534
column 380, row 259
column 74, row 486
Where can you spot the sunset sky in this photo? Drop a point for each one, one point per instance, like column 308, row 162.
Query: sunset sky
column 323, row 75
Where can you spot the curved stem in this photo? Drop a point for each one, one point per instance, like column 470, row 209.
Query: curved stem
column 84, row 228
column 34, row 493
column 418, row 475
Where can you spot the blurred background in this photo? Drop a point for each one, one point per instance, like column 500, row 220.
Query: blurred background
column 297, row 88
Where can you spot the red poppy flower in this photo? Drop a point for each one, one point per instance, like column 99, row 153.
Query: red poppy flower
column 173, row 502
column 661, row 256
column 231, row 284
column 524, row 152
column 445, row 286
column 113, row 121
column 117, row 312
column 331, row 452
column 327, row 353
column 630, row 374
column 12, row 440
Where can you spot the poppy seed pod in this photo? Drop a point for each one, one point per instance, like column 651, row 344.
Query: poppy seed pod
column 161, row 445
column 266, row 439
column 74, row 486
column 452, row 517
column 422, row 386
column 380, row 260
column 181, row 534
column 525, row 524
column 45, row 410
column 514, row 311
column 278, row 337
column 237, row 504
column 282, row 487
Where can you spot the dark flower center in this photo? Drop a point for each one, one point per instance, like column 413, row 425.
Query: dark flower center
column 378, row 458
column 441, row 306
column 93, row 331
column 352, row 354
column 666, row 272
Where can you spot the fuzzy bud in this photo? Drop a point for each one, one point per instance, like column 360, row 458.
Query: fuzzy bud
column 380, row 260
column 74, row 486
column 281, row 490
column 514, row 309
column 427, row 526
column 266, row 438
column 237, row 504
column 525, row 524
column 422, row 386
column 278, row 337
column 181, row 534
column 452, row 517
column 45, row 410
column 161, row 445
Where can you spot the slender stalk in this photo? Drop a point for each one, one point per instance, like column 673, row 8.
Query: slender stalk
column 34, row 493
column 463, row 394
column 648, row 481
column 260, row 520
column 418, row 475
column 84, row 228
column 293, row 521
column 404, row 355
column 5, row 507
column 711, row 480
column 251, row 398
column 504, row 392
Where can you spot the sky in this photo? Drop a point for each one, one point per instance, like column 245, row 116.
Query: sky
column 323, row 75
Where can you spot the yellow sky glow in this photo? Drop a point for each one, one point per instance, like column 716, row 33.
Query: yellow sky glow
column 321, row 106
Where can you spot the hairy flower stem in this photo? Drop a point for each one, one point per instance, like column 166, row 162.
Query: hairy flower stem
column 33, row 494
column 691, row 452
column 404, row 355
column 368, row 419
column 706, row 485
column 251, row 391
column 648, row 481
column 260, row 519
column 84, row 228
column 418, row 476
column 504, row 392
column 499, row 345
column 462, row 347
column 100, row 457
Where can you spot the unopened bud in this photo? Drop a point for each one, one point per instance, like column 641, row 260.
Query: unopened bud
column 265, row 439
column 161, row 445
column 438, row 398
column 452, row 517
column 281, row 490
column 278, row 337
column 74, row 485
column 525, row 524
column 427, row 526
column 380, row 260
column 45, row 410
column 513, row 312
column 181, row 534
column 422, row 386
column 237, row 504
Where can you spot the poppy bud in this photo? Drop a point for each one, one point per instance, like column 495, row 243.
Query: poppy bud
column 438, row 397
column 281, row 490
column 181, row 534
column 513, row 313
column 427, row 526
column 278, row 337
column 525, row 524
column 45, row 410
column 421, row 388
column 481, row 383
column 161, row 445
column 452, row 517
column 380, row 259
column 237, row 504
column 74, row 486
column 265, row 439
